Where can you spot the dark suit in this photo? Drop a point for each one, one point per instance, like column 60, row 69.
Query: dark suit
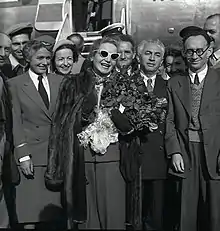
column 31, row 126
column 154, row 167
column 177, row 141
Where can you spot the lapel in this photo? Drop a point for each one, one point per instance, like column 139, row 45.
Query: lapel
column 210, row 89
column 31, row 91
column 160, row 87
column 183, row 91
column 53, row 83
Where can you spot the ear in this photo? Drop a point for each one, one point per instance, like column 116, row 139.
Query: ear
column 210, row 51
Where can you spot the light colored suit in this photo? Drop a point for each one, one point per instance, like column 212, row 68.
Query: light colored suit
column 31, row 127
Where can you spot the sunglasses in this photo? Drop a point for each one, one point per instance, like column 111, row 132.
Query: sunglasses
column 105, row 54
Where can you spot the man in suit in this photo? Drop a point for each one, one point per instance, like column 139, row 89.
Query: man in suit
column 19, row 34
column 33, row 97
column 192, row 134
column 212, row 27
column 154, row 164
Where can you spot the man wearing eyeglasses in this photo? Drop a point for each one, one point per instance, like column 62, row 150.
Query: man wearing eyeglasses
column 212, row 27
column 192, row 134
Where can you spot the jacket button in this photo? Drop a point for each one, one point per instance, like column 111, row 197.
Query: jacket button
column 161, row 132
column 37, row 139
column 186, row 131
column 37, row 126
column 161, row 148
column 190, row 169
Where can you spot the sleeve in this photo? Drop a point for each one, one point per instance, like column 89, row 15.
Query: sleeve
column 20, row 142
column 171, row 140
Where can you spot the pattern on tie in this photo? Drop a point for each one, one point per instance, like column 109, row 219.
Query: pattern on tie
column 149, row 85
column 42, row 91
column 196, row 80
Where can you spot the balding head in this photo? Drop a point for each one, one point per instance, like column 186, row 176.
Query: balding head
column 212, row 27
column 5, row 48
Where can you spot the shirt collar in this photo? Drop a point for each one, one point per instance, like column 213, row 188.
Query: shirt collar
column 146, row 77
column 34, row 75
column 217, row 54
column 201, row 74
column 128, row 70
column 14, row 62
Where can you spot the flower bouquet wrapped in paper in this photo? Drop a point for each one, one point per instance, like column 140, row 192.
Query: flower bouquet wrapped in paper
column 99, row 134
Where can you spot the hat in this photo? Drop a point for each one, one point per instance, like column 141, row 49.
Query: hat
column 47, row 40
column 63, row 42
column 21, row 28
column 188, row 31
column 113, row 29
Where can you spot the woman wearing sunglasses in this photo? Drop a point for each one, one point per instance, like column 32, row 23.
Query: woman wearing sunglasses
column 94, row 189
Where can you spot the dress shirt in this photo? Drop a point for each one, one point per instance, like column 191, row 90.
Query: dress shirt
column 201, row 74
column 34, row 78
column 14, row 62
column 146, row 78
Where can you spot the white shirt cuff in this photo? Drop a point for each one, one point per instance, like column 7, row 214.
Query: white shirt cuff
column 22, row 159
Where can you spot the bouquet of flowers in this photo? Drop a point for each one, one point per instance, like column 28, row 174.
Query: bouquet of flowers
column 99, row 134
column 143, row 109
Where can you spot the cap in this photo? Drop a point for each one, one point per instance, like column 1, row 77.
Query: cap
column 113, row 29
column 194, row 31
column 47, row 40
column 63, row 42
column 20, row 28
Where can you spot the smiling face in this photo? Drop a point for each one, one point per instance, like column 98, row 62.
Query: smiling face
column 64, row 61
column 40, row 61
column 197, row 43
column 18, row 42
column 151, row 58
column 104, row 65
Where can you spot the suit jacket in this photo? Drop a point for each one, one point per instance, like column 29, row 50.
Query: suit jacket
column 179, row 115
column 154, row 161
column 31, row 118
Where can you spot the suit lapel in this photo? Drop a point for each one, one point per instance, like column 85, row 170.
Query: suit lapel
column 31, row 91
column 53, row 92
column 160, row 87
column 184, row 93
column 210, row 89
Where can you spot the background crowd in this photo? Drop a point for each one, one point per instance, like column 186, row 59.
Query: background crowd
column 162, row 179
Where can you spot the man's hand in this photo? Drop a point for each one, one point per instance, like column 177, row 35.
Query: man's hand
column 177, row 162
column 27, row 168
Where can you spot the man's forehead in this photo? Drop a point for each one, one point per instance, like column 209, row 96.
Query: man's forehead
column 4, row 40
column 152, row 47
column 212, row 22
column 197, row 40
column 20, row 38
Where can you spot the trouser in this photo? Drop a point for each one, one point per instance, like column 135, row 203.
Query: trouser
column 200, row 196
column 4, row 219
column 153, row 203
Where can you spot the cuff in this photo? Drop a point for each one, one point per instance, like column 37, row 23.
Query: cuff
column 22, row 159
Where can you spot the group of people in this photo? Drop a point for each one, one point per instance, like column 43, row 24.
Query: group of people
column 161, row 178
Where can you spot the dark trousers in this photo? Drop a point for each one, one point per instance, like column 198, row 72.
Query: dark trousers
column 153, row 202
column 200, row 196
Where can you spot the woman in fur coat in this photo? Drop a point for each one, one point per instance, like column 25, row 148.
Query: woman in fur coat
column 94, row 189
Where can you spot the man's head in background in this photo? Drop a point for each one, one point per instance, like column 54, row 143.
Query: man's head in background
column 127, row 52
column 20, row 34
column 5, row 48
column 78, row 40
column 212, row 27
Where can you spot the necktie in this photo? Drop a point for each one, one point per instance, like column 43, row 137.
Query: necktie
column 42, row 91
column 149, row 85
column 196, row 80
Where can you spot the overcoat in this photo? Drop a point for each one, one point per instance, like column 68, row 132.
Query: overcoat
column 31, row 127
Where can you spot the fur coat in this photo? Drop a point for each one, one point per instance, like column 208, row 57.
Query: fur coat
column 66, row 168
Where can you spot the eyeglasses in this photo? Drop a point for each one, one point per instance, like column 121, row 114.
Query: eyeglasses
column 199, row 51
column 105, row 54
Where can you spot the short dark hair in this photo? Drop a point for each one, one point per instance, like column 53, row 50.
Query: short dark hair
column 65, row 46
column 127, row 38
column 31, row 47
column 81, row 45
